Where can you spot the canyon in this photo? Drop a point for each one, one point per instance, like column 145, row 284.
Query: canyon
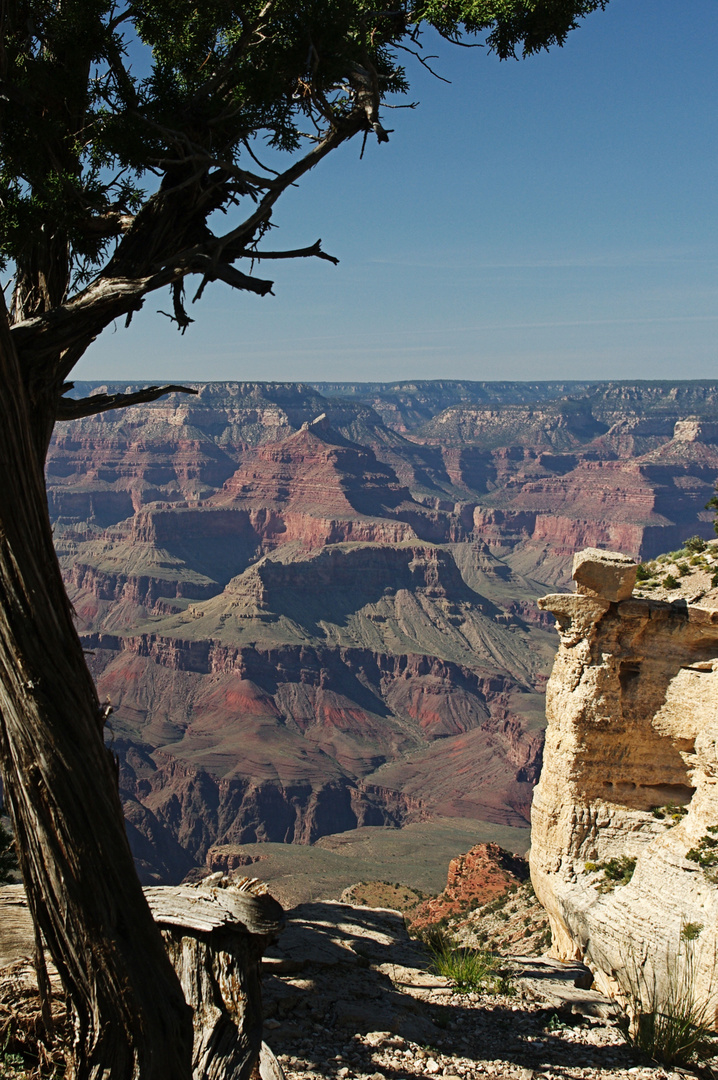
column 312, row 609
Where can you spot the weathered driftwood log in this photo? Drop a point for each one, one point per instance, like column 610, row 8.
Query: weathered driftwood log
column 215, row 933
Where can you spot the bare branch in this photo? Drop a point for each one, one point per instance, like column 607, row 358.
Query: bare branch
column 424, row 61
column 236, row 240
column 231, row 276
column 314, row 251
column 43, row 339
column 74, row 408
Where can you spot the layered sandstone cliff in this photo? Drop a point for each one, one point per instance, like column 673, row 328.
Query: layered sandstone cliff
column 310, row 612
column 625, row 814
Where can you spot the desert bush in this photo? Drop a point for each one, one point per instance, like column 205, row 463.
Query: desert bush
column 470, row 969
column 671, row 813
column 671, row 1024
column 670, row 582
column 695, row 544
column 435, row 938
column 618, row 871
column 705, row 853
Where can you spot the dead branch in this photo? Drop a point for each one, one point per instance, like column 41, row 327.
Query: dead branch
column 75, row 408
column 314, row 251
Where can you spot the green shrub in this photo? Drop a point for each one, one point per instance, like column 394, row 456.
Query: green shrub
column 705, row 853
column 620, row 870
column 695, row 544
column 669, row 582
column 643, row 573
column 467, row 969
column 435, row 939
column 555, row 1023
column 617, row 871
column 672, row 1025
column 670, row 814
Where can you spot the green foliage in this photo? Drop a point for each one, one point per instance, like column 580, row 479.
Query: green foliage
column 12, row 1065
column 643, row 573
column 555, row 1023
column 618, row 871
column 469, row 969
column 670, row 814
column 705, row 853
column 670, row 582
column 695, row 544
column 104, row 101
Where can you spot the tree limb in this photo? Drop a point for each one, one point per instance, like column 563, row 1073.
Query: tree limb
column 74, row 408
column 43, row 338
column 314, row 250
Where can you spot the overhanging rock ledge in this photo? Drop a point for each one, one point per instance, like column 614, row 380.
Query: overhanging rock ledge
column 630, row 773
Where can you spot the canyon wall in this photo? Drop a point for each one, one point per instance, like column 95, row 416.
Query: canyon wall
column 313, row 608
column 625, row 816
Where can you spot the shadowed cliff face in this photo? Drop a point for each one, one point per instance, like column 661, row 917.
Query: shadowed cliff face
column 306, row 626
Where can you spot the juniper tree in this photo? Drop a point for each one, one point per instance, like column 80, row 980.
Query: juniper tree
column 109, row 185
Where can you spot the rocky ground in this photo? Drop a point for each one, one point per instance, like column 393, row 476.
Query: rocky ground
column 488, row 903
column 512, row 924
column 689, row 574
column 349, row 995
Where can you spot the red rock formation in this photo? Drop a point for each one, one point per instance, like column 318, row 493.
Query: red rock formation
column 475, row 878
column 235, row 745
column 362, row 643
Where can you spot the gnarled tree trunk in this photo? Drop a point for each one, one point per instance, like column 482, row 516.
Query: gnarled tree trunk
column 215, row 934
column 131, row 1019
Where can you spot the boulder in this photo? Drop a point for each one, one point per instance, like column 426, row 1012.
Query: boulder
column 607, row 574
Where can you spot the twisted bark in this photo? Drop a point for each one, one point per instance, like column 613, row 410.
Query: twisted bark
column 215, row 934
column 60, row 782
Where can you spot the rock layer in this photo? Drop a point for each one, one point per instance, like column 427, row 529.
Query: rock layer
column 385, row 557
column 630, row 774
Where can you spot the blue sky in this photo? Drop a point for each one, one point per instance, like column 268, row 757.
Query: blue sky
column 549, row 218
